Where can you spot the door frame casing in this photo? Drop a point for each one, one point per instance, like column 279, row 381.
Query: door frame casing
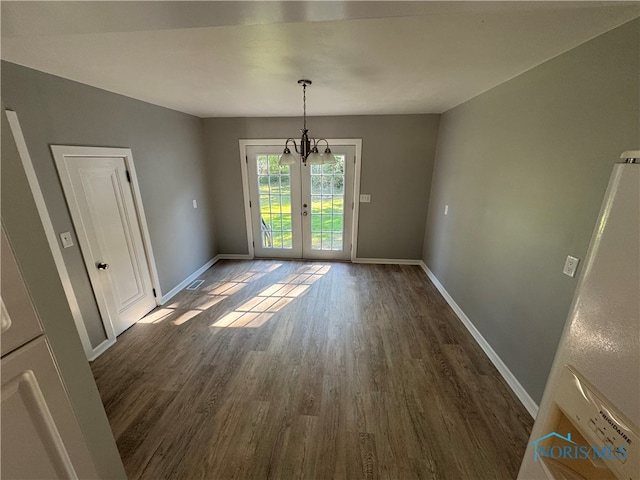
column 52, row 239
column 60, row 153
column 244, row 143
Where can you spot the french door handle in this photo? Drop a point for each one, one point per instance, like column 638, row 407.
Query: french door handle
column 102, row 266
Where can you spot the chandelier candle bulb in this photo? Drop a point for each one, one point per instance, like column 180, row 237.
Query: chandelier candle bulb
column 327, row 156
column 287, row 158
column 314, row 157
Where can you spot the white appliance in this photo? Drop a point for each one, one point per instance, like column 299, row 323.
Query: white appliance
column 587, row 425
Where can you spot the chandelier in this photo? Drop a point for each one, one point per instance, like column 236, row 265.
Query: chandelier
column 308, row 150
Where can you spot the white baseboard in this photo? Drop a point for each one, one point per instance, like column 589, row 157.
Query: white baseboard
column 233, row 256
column 100, row 349
column 174, row 291
column 387, row 261
column 509, row 377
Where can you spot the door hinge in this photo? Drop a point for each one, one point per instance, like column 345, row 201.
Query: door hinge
column 154, row 292
column 354, row 159
column 249, row 203
column 254, row 244
column 128, row 176
column 353, row 205
column 246, row 159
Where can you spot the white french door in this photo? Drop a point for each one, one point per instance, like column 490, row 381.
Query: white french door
column 301, row 211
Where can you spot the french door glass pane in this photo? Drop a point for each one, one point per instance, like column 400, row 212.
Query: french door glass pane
column 327, row 205
column 274, row 182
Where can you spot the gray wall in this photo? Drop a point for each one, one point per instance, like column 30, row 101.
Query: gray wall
column 523, row 169
column 169, row 158
column 26, row 235
column 397, row 161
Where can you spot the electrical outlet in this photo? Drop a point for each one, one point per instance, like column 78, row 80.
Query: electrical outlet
column 66, row 239
column 365, row 198
column 195, row 204
column 570, row 266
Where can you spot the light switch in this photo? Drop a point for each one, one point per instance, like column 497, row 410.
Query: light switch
column 66, row 239
column 570, row 266
column 446, row 209
column 195, row 204
column 364, row 198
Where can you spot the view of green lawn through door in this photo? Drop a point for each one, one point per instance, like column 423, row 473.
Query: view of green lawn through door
column 327, row 203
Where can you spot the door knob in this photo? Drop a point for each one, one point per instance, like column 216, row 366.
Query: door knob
column 304, row 214
column 102, row 266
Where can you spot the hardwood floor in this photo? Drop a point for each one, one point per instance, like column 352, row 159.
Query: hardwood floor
column 291, row 369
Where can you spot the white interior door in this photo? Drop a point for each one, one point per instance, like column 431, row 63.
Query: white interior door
column 301, row 211
column 100, row 199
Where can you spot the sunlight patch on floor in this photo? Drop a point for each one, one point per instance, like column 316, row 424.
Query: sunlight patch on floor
column 186, row 316
column 256, row 311
column 206, row 297
column 157, row 315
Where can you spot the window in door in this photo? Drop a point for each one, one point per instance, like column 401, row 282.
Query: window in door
column 274, row 189
column 327, row 205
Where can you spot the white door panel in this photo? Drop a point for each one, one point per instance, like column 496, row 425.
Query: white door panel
column 110, row 207
column 102, row 206
column 327, row 190
column 275, row 204
column 41, row 437
column 15, row 298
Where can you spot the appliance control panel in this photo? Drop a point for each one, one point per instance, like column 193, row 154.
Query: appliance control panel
column 600, row 423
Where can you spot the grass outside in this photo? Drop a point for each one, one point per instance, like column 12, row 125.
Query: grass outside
column 326, row 218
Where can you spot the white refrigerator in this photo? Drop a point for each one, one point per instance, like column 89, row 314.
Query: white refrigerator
column 587, row 424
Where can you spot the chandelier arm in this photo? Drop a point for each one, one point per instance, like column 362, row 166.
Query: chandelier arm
column 295, row 145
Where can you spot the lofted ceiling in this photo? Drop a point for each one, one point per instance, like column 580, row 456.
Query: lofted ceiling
column 243, row 58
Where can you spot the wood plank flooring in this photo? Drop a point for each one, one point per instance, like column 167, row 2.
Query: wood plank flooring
column 315, row 370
